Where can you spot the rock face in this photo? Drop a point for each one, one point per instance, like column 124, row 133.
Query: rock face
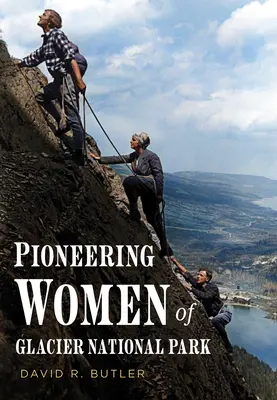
column 45, row 202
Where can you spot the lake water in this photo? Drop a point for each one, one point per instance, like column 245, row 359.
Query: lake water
column 250, row 329
column 270, row 202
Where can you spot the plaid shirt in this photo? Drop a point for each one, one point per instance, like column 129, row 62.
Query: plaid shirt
column 56, row 51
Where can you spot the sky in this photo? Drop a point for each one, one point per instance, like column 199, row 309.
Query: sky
column 200, row 77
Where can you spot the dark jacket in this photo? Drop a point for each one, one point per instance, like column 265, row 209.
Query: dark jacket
column 149, row 165
column 208, row 294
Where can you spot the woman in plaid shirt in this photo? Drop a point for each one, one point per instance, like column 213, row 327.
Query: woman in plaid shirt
column 59, row 56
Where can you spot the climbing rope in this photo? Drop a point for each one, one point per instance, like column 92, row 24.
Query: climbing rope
column 83, row 125
column 111, row 142
column 79, row 118
column 84, row 113
column 28, row 83
column 107, row 136
column 32, row 90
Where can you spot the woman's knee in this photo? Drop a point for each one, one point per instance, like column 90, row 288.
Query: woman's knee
column 129, row 181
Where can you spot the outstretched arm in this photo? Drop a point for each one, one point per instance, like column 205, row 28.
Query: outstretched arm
column 184, row 272
column 112, row 159
column 116, row 159
column 34, row 59
column 180, row 266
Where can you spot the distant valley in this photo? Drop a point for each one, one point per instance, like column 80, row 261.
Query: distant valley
column 212, row 219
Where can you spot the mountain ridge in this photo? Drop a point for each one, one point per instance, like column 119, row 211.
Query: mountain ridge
column 43, row 201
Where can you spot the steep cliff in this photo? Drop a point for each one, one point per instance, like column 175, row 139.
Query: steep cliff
column 43, row 201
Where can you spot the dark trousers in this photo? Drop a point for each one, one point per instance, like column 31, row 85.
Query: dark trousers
column 51, row 92
column 219, row 322
column 144, row 187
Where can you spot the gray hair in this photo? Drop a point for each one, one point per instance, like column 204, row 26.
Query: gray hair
column 142, row 138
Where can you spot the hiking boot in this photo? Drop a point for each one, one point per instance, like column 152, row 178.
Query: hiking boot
column 67, row 142
column 134, row 215
column 79, row 157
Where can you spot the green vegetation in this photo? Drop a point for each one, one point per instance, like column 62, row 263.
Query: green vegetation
column 212, row 220
column 258, row 375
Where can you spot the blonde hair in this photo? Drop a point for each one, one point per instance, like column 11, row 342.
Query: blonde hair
column 55, row 19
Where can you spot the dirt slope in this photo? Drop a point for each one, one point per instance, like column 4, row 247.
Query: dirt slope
column 44, row 202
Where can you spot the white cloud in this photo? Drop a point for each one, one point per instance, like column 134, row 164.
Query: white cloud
column 189, row 90
column 21, row 29
column 244, row 111
column 254, row 19
column 90, row 16
column 12, row 7
column 183, row 59
column 135, row 56
column 80, row 19
column 169, row 77
column 140, row 55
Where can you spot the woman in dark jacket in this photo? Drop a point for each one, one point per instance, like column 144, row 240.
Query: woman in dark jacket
column 147, row 183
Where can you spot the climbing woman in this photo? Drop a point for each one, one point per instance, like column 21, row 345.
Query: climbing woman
column 59, row 55
column 146, row 183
